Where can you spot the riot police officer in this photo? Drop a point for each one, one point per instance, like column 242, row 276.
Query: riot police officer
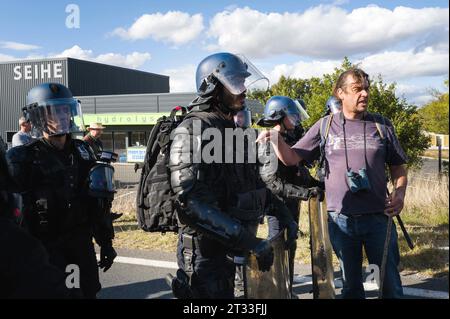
column 25, row 271
column 220, row 204
column 54, row 174
column 290, row 184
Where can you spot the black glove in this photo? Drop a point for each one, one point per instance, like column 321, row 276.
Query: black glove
column 264, row 255
column 296, row 192
column 292, row 235
column 115, row 216
column 107, row 256
column 317, row 192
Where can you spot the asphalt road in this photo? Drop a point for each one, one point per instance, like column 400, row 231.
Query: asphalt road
column 140, row 274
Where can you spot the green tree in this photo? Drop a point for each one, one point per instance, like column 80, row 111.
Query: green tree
column 404, row 116
column 435, row 114
column 316, row 91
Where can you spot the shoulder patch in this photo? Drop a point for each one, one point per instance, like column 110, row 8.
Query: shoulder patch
column 84, row 153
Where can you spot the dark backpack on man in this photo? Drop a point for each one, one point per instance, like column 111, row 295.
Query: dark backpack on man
column 155, row 209
column 155, row 202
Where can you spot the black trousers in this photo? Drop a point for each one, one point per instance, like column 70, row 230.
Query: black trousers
column 212, row 271
column 78, row 249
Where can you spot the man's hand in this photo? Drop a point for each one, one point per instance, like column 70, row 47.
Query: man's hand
column 317, row 192
column 394, row 204
column 267, row 135
column 107, row 256
column 264, row 255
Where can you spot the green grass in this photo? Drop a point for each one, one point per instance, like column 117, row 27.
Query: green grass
column 434, row 153
column 425, row 216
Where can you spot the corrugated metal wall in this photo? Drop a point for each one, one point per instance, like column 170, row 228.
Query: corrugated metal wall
column 84, row 79
column 141, row 103
column 89, row 78
column 13, row 91
column 168, row 101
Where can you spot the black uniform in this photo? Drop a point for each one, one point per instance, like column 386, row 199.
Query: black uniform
column 221, row 205
column 57, row 207
column 288, row 183
column 25, row 271
column 95, row 143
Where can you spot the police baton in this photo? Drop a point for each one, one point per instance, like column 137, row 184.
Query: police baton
column 384, row 258
column 402, row 226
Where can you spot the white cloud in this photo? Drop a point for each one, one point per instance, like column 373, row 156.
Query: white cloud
column 5, row 58
column 392, row 65
column 174, row 27
column 133, row 60
column 420, row 100
column 396, row 65
column 324, row 31
column 76, row 52
column 303, row 70
column 415, row 94
column 18, row 46
column 182, row 79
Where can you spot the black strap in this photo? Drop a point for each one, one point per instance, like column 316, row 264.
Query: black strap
column 342, row 120
column 245, row 215
column 189, row 246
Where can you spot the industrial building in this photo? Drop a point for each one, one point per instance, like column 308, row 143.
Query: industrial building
column 128, row 102
column 84, row 78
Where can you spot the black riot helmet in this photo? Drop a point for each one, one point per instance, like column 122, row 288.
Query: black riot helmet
column 231, row 71
column 52, row 109
column 279, row 107
column 243, row 118
column 333, row 105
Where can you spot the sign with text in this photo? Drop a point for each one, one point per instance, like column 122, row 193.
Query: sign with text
column 123, row 118
column 38, row 71
column 136, row 154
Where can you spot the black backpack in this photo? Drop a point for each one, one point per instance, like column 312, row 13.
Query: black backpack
column 155, row 209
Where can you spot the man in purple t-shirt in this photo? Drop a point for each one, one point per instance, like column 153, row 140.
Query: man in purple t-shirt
column 357, row 217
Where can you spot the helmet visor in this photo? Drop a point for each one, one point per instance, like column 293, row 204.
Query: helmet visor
column 243, row 119
column 58, row 116
column 303, row 113
column 239, row 78
column 294, row 119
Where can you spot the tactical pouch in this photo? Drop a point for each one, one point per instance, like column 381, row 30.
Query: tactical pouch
column 42, row 212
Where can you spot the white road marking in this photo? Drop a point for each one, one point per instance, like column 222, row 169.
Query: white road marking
column 159, row 294
column 123, row 195
column 145, row 262
column 298, row 280
column 369, row 286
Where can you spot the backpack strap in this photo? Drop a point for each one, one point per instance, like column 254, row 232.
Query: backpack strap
column 380, row 123
column 325, row 124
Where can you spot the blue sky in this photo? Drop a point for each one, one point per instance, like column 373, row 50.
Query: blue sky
column 405, row 41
